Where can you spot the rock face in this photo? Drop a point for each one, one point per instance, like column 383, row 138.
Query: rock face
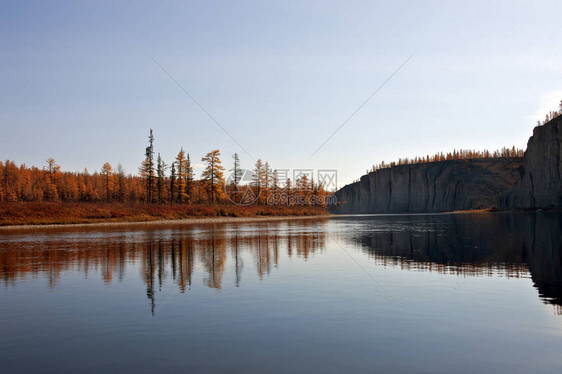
column 433, row 187
column 541, row 184
column 534, row 181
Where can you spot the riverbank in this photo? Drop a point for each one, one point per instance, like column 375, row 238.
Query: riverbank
column 21, row 215
column 185, row 221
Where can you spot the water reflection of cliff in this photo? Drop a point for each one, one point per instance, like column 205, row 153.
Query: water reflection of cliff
column 513, row 245
column 161, row 255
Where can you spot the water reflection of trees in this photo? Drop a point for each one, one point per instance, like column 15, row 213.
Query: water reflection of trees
column 161, row 256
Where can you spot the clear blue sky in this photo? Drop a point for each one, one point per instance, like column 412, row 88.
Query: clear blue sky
column 77, row 82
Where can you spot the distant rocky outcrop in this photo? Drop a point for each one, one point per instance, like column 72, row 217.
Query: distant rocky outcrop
column 533, row 181
column 541, row 183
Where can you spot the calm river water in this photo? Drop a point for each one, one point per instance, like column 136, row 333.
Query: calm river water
column 404, row 293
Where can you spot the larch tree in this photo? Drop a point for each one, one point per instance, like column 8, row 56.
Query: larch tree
column 266, row 179
column 257, row 177
column 53, row 168
column 2, row 183
column 275, row 181
column 172, row 182
column 288, row 190
column 188, row 179
column 236, row 172
column 160, row 177
column 303, row 186
column 147, row 168
column 213, row 175
column 120, row 183
column 181, row 170
column 107, row 174
column 320, row 195
column 50, row 189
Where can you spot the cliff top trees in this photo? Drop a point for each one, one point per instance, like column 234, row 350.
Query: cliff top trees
column 213, row 176
column 460, row 154
column 551, row 115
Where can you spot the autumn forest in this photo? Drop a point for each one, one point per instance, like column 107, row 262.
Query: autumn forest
column 159, row 191
column 157, row 182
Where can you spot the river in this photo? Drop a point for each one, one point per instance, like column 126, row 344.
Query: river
column 435, row 293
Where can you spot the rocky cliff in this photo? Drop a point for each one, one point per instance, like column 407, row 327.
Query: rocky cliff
column 540, row 185
column 533, row 181
column 432, row 187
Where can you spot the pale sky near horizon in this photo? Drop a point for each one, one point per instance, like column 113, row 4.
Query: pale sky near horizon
column 78, row 83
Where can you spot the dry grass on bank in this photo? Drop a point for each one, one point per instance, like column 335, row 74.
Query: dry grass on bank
column 45, row 213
